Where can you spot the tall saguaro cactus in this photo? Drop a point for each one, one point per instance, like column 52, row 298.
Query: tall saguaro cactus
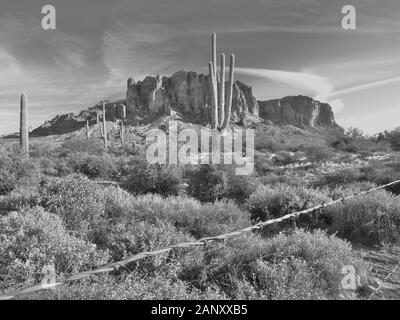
column 103, row 127
column 23, row 125
column 221, row 109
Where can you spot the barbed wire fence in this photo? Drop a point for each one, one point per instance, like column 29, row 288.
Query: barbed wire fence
column 376, row 290
column 115, row 266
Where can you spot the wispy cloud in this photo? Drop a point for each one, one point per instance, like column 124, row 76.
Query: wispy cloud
column 136, row 49
column 319, row 86
column 365, row 86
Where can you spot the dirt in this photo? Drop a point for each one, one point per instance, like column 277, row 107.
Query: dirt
column 385, row 277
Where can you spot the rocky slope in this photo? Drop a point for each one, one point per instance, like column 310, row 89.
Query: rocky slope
column 188, row 95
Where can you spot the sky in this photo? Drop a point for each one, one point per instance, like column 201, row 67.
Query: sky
column 282, row 47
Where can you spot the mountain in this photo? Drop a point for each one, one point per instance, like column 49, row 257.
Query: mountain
column 187, row 95
column 298, row 111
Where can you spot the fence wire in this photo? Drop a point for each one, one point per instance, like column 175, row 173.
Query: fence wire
column 198, row 243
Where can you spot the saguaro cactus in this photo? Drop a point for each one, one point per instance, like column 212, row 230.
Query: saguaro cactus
column 87, row 129
column 23, row 125
column 103, row 127
column 221, row 109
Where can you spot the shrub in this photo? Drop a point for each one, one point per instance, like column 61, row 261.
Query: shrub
column 33, row 238
column 208, row 183
column 161, row 179
column 262, row 163
column 342, row 177
column 284, row 158
column 349, row 189
column 382, row 174
column 94, row 166
column 187, row 215
column 82, row 145
column 317, row 153
column 241, row 187
column 129, row 238
column 275, row 201
column 373, row 218
column 134, row 286
column 78, row 201
column 301, row 265
column 15, row 169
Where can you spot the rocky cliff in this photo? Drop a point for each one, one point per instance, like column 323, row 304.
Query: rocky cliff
column 298, row 111
column 188, row 95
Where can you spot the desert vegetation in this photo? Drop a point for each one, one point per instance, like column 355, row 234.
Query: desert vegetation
column 54, row 210
column 89, row 200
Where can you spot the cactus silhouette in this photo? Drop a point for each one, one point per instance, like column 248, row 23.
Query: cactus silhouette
column 103, row 127
column 23, row 125
column 221, row 109
column 87, row 129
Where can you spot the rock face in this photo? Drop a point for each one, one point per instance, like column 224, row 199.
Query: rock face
column 69, row 122
column 298, row 111
column 186, row 93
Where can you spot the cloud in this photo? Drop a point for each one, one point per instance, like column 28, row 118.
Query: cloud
column 137, row 49
column 314, row 84
column 320, row 87
column 337, row 105
column 365, row 86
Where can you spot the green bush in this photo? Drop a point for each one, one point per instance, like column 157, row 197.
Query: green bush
column 16, row 170
column 301, row 265
column 187, row 215
column 274, row 201
column 370, row 219
column 241, row 187
column 317, row 153
column 134, row 286
column 284, row 158
column 94, row 166
column 78, row 201
column 208, row 183
column 33, row 238
column 161, row 179
column 349, row 189
column 342, row 177
column 82, row 145
column 262, row 163
column 129, row 238
column 381, row 173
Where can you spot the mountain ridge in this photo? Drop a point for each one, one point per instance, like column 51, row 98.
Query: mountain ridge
column 188, row 94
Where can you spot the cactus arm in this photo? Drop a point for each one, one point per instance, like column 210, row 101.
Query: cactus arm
column 214, row 55
column 214, row 106
column 222, row 92
column 24, row 134
column 230, row 93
